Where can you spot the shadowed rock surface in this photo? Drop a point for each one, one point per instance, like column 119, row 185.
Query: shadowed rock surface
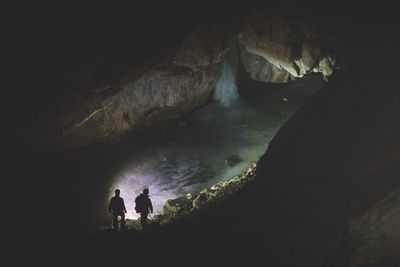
column 277, row 48
column 160, row 89
column 374, row 236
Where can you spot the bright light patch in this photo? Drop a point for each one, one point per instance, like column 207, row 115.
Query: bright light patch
column 166, row 177
column 132, row 185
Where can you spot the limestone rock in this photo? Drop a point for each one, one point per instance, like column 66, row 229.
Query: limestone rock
column 375, row 235
column 271, row 38
column 175, row 207
column 325, row 66
column 201, row 198
column 277, row 49
column 207, row 45
column 232, row 161
column 260, row 69
column 163, row 86
column 162, row 93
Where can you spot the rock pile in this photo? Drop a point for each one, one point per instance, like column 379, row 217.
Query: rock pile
column 178, row 208
column 184, row 206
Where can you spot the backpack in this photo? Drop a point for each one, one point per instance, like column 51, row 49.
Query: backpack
column 139, row 204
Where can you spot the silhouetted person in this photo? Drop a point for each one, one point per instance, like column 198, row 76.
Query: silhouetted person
column 143, row 206
column 117, row 207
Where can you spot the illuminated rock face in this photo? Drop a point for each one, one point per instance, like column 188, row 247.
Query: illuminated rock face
column 272, row 49
column 203, row 47
column 163, row 93
column 260, row 69
column 153, row 91
column 276, row 49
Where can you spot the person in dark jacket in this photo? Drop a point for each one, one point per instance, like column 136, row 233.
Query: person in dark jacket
column 143, row 206
column 117, row 207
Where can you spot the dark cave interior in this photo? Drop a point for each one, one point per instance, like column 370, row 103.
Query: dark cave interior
column 326, row 191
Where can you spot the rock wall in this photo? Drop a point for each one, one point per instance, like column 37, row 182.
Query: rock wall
column 165, row 92
column 329, row 178
column 203, row 47
column 374, row 236
column 276, row 48
column 102, row 99
column 260, row 69
column 158, row 89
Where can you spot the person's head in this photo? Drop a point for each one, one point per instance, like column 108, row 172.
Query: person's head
column 146, row 191
column 117, row 192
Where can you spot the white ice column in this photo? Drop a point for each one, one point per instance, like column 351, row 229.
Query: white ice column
column 226, row 91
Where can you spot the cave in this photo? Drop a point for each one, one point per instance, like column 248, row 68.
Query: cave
column 266, row 131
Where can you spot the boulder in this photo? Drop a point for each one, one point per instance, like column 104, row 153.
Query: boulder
column 178, row 206
column 201, row 199
column 232, row 160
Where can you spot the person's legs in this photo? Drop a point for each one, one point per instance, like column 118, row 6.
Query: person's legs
column 143, row 219
column 122, row 221
column 115, row 222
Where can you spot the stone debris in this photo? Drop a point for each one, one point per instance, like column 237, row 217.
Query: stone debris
column 177, row 205
column 232, row 160
column 175, row 209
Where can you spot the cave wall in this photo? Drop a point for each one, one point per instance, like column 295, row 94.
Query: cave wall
column 374, row 236
column 329, row 179
column 276, row 47
column 158, row 89
column 101, row 92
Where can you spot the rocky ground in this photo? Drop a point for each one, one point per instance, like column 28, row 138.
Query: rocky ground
column 189, row 205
